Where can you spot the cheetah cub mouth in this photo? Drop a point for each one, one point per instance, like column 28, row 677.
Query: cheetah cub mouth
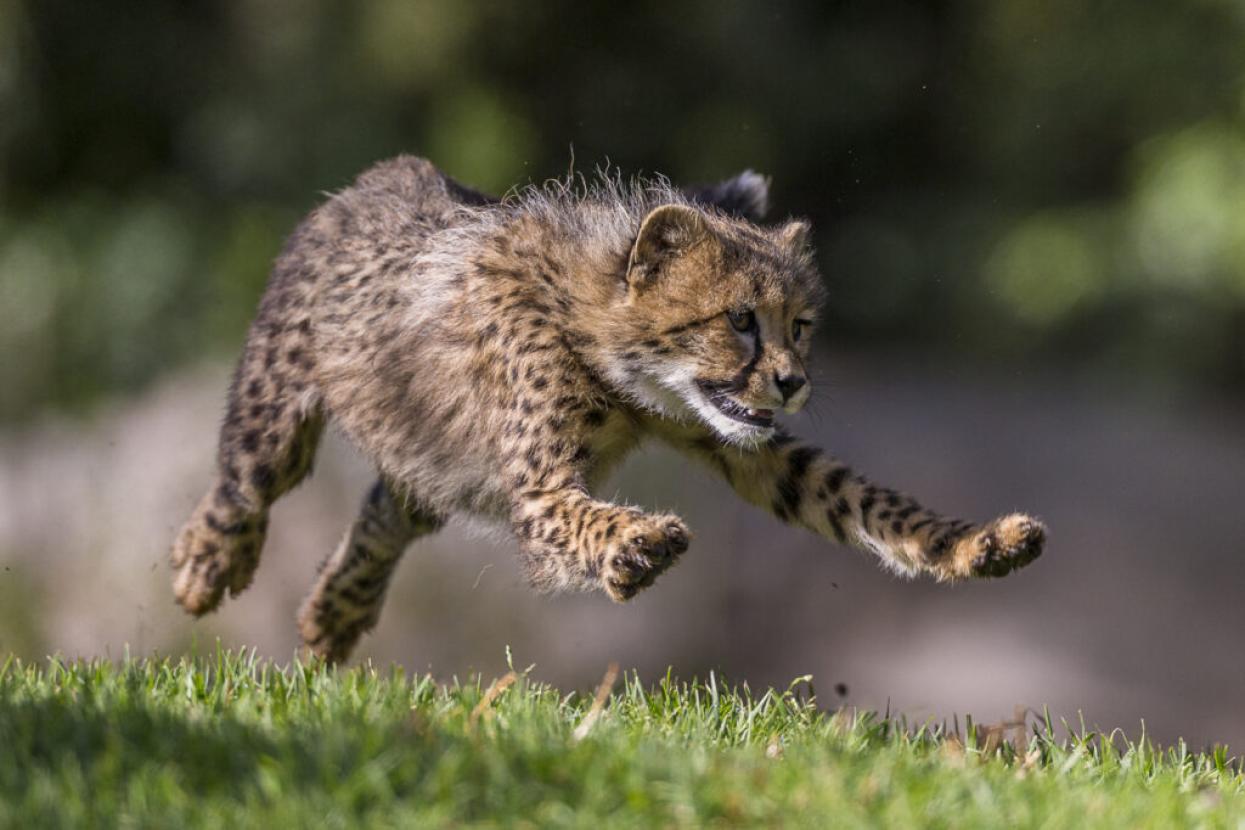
column 720, row 397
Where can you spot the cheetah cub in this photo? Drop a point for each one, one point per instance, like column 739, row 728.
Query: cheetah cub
column 498, row 358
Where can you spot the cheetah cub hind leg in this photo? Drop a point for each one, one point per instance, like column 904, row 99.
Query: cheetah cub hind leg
column 346, row 600
column 267, row 446
column 218, row 548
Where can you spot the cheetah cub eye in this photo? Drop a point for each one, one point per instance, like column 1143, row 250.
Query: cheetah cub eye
column 742, row 320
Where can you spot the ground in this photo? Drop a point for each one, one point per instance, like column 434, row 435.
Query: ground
column 232, row 741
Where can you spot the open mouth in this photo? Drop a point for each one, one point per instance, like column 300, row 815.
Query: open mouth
column 728, row 406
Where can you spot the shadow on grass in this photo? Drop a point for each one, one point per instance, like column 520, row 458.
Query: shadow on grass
column 90, row 761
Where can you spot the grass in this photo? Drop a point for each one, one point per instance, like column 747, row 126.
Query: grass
column 231, row 741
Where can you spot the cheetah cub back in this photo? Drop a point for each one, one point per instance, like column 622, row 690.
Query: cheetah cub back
column 499, row 358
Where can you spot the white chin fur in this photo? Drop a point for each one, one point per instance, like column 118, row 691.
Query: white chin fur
column 675, row 395
column 728, row 429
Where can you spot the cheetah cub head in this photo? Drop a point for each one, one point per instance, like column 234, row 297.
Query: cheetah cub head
column 723, row 309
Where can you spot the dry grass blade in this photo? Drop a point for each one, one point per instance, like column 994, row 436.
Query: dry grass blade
column 996, row 736
column 495, row 689
column 598, row 703
column 993, row 737
column 953, row 750
column 1020, row 727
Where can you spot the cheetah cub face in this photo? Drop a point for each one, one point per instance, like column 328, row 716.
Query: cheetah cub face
column 725, row 310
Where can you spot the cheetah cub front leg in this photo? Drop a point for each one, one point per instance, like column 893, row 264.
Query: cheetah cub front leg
column 985, row 551
column 571, row 540
column 803, row 485
column 644, row 547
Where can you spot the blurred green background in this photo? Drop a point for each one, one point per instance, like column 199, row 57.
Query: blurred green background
column 1050, row 182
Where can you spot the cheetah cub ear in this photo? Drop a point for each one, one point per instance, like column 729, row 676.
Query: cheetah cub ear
column 796, row 235
column 745, row 195
column 667, row 232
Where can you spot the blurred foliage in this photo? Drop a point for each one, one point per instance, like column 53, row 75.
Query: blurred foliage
column 1040, row 180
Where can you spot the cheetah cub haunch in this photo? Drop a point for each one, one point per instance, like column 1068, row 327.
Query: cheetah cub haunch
column 498, row 358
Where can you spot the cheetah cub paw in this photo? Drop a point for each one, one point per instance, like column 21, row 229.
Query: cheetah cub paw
column 998, row 547
column 646, row 546
column 210, row 558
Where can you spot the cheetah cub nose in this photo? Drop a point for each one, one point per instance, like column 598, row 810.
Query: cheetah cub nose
column 788, row 385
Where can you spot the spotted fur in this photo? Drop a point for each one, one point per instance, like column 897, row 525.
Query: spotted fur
column 498, row 358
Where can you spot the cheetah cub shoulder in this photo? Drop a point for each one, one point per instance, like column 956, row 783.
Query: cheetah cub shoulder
column 497, row 358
